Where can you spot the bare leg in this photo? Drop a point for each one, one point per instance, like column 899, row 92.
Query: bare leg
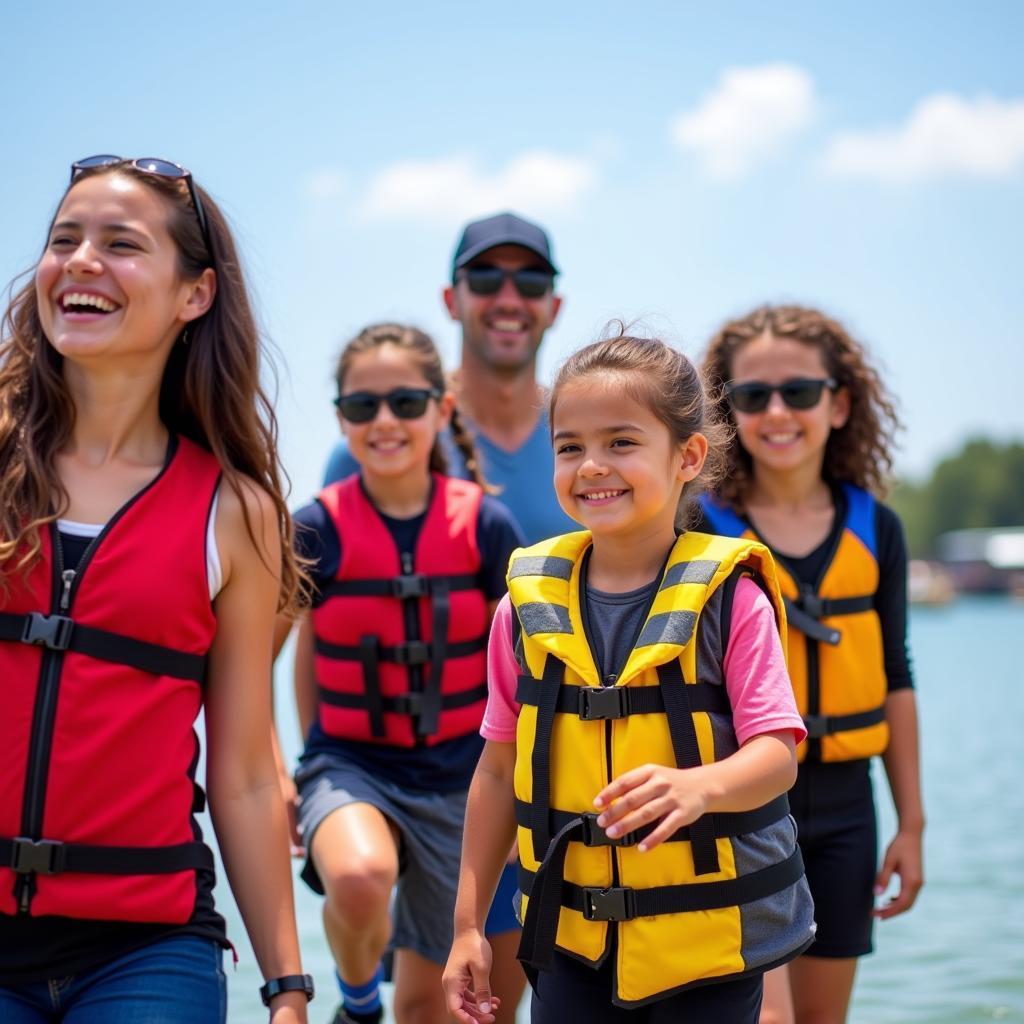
column 822, row 988
column 507, row 978
column 419, row 997
column 777, row 1006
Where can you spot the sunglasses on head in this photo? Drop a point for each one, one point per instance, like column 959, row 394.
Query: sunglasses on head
column 151, row 165
column 405, row 403
column 797, row 393
column 530, row 282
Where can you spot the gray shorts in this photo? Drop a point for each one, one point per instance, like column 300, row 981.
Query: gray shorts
column 430, row 827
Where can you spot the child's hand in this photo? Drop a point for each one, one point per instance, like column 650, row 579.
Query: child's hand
column 903, row 858
column 647, row 794
column 466, row 980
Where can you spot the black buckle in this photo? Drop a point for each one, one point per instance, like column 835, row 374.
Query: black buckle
column 812, row 605
column 817, row 726
column 413, row 652
column 408, row 704
column 600, row 702
column 608, row 904
column 594, row 835
column 407, row 587
column 52, row 631
column 41, row 857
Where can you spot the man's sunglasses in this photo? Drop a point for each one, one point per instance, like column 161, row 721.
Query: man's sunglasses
column 151, row 165
column 405, row 403
column 531, row 283
column 798, row 393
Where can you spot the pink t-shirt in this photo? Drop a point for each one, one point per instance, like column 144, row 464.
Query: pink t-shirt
column 755, row 672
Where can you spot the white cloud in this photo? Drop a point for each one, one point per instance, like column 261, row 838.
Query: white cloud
column 456, row 187
column 945, row 135
column 748, row 117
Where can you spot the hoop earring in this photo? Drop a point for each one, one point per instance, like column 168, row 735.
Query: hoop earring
column 184, row 336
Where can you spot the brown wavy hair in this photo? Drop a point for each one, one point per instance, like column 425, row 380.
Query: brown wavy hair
column 422, row 351
column 663, row 380
column 210, row 393
column 860, row 452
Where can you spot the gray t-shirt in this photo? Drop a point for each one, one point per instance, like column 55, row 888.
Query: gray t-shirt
column 614, row 622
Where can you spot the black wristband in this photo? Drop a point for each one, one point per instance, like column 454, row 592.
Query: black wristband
column 288, row 983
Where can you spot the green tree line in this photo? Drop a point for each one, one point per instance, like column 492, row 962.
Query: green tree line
column 982, row 485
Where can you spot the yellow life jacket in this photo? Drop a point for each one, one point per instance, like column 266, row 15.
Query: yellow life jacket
column 838, row 670
column 725, row 896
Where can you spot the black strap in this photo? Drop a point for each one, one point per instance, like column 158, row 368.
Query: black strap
column 369, row 652
column 819, row 726
column 411, row 652
column 687, row 753
column 404, row 703
column 600, row 702
column 406, row 587
column 60, row 633
column 50, row 857
column 553, row 677
column 723, row 825
column 427, row 723
column 808, row 609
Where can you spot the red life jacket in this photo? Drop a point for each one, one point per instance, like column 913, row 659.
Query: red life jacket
column 101, row 671
column 381, row 676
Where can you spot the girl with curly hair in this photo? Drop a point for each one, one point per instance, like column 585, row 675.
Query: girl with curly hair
column 808, row 461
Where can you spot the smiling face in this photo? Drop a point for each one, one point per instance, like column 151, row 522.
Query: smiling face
column 618, row 471
column 782, row 440
column 502, row 331
column 109, row 283
column 389, row 447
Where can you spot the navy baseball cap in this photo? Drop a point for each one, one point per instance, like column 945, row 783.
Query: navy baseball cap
column 502, row 229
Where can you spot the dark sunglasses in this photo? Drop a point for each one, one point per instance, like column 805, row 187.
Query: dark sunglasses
column 798, row 393
column 405, row 403
column 531, row 283
column 151, row 165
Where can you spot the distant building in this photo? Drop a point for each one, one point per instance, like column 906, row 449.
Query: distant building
column 985, row 560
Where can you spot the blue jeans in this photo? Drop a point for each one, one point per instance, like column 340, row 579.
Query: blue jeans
column 174, row 981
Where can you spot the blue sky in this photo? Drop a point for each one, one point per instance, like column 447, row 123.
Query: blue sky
column 689, row 160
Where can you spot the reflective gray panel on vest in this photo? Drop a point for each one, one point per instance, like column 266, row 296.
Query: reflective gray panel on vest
column 701, row 570
column 668, row 628
column 538, row 617
column 541, row 565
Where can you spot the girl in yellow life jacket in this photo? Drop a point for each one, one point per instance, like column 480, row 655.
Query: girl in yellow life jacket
column 640, row 726
column 813, row 430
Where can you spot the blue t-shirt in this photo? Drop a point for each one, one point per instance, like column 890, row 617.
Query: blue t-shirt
column 524, row 476
column 447, row 766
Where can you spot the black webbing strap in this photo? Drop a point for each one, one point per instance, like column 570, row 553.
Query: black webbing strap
column 411, row 652
column 619, row 903
column 552, row 676
column 601, row 702
column 430, row 713
column 404, row 587
column 60, row 633
column 403, row 703
column 808, row 609
column 810, row 626
column 49, row 857
column 819, row 726
column 687, row 752
column 723, row 825
column 369, row 653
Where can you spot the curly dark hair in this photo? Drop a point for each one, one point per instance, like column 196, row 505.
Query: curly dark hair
column 860, row 452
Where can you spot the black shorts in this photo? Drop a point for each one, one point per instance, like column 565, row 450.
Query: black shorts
column 834, row 808
column 572, row 991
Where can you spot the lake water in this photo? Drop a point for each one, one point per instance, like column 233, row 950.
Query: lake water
column 958, row 956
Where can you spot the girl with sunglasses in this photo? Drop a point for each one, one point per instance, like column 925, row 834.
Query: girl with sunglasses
column 811, row 450
column 144, row 551
column 641, row 730
column 407, row 565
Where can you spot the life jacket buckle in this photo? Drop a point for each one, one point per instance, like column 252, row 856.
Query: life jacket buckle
column 51, row 631
column 408, row 587
column 40, row 857
column 412, row 652
column 812, row 604
column 600, row 702
column 594, row 835
column 615, row 904
column 410, row 704
column 817, row 726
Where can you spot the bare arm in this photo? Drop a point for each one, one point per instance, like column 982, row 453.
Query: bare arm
column 305, row 676
column 903, row 856
column 762, row 769
column 490, row 828
column 242, row 781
